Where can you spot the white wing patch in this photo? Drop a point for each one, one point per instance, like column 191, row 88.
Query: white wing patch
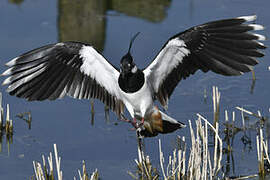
column 95, row 66
column 167, row 59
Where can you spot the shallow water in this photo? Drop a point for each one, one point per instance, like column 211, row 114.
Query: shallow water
column 111, row 146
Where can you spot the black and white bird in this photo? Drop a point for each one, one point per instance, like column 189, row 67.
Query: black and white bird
column 76, row 69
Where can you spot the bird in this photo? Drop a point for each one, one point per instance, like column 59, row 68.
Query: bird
column 228, row 47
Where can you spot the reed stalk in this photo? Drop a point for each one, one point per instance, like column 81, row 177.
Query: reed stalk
column 262, row 146
column 42, row 172
column 199, row 161
column 216, row 104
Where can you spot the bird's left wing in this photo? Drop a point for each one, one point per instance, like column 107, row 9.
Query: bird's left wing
column 224, row 47
column 69, row 68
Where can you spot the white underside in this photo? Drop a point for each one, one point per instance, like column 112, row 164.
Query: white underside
column 140, row 102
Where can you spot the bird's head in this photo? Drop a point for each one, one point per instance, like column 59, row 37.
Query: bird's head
column 127, row 64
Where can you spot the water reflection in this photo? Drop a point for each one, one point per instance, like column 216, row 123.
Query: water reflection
column 27, row 117
column 92, row 112
column 231, row 131
column 82, row 20
column 85, row 20
column 106, row 113
column 17, row 2
column 151, row 10
column 9, row 140
column 6, row 127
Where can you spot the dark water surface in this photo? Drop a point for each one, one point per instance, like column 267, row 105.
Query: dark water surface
column 110, row 146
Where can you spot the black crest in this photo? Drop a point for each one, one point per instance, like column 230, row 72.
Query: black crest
column 129, row 81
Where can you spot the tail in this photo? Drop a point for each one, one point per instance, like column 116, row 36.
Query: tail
column 170, row 124
column 159, row 122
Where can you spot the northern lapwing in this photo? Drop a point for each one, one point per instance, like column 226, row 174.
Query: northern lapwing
column 76, row 69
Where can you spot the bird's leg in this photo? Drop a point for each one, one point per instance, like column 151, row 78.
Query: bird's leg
column 134, row 120
column 134, row 123
column 141, row 123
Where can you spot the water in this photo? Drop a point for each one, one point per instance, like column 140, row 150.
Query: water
column 109, row 25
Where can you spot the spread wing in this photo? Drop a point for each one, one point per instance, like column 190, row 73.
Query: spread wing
column 225, row 47
column 69, row 68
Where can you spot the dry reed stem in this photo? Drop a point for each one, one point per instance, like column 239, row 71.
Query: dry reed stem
column 43, row 173
column 266, row 151
column 216, row 167
column 243, row 120
column 183, row 159
column 262, row 149
column 58, row 163
column 253, row 75
column 248, row 112
column 216, row 104
column 199, row 162
column 161, row 159
column 143, row 163
column 1, row 109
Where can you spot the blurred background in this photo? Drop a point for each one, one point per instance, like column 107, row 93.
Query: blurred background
column 108, row 144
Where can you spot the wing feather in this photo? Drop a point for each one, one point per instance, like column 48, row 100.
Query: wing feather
column 225, row 47
column 69, row 68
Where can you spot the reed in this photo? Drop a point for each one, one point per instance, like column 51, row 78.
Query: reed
column 261, row 142
column 253, row 75
column 27, row 117
column 6, row 126
column 216, row 104
column 46, row 172
column 145, row 169
column 92, row 112
column 200, row 164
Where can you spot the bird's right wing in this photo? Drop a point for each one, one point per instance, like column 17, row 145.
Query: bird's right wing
column 69, row 68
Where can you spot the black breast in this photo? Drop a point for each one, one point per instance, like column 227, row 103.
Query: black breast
column 131, row 82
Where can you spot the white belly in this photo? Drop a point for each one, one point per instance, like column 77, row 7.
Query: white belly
column 139, row 102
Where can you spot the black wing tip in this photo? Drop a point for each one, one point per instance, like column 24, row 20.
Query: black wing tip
column 181, row 125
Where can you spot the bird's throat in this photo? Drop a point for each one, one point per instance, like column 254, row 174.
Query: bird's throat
column 131, row 82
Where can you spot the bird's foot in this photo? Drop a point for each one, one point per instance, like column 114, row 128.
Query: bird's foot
column 136, row 126
column 134, row 123
column 141, row 123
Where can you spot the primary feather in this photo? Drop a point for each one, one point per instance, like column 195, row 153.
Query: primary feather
column 69, row 68
column 225, row 47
